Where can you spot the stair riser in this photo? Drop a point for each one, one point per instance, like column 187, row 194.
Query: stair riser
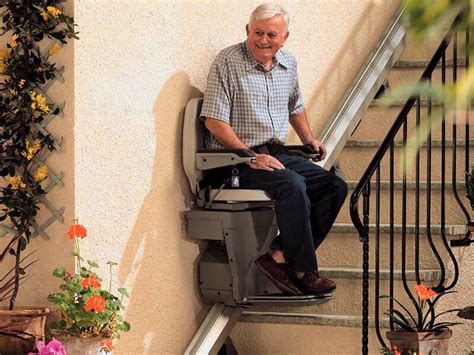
column 384, row 117
column 453, row 212
column 354, row 162
column 426, row 50
column 299, row 338
column 345, row 250
column 401, row 76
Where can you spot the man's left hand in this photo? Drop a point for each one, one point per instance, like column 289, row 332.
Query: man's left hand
column 319, row 147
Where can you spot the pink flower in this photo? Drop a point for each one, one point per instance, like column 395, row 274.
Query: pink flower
column 54, row 347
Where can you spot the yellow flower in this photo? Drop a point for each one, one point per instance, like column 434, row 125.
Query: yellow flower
column 45, row 15
column 16, row 182
column 14, row 43
column 21, row 83
column 13, row 92
column 55, row 48
column 39, row 102
column 41, row 173
column 53, row 11
column 31, row 150
column 4, row 54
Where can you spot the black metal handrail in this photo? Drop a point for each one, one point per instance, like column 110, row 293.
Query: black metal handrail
column 364, row 185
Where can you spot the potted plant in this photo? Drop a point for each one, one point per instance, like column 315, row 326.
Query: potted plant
column 90, row 314
column 24, row 69
column 420, row 332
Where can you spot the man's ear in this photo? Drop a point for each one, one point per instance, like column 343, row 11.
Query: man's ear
column 287, row 34
column 247, row 29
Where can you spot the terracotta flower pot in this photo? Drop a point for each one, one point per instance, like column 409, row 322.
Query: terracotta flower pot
column 424, row 343
column 27, row 324
column 74, row 344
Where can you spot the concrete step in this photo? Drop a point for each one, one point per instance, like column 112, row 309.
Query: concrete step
column 344, row 250
column 377, row 121
column 374, row 143
column 401, row 102
column 384, row 274
column 282, row 337
column 402, row 76
column 425, row 51
column 453, row 212
column 347, row 298
column 354, row 161
column 408, row 64
column 451, row 229
column 340, row 320
column 411, row 185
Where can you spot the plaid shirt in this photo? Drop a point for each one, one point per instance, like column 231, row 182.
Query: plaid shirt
column 255, row 102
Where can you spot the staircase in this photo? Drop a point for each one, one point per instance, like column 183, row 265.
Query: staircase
column 336, row 325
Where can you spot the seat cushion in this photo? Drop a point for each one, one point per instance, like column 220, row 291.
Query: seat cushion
column 239, row 195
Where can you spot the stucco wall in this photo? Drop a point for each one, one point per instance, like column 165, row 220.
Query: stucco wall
column 137, row 64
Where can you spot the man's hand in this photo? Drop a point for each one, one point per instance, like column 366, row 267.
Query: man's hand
column 266, row 162
column 319, row 147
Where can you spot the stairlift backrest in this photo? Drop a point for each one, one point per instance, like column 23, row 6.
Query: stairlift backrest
column 193, row 139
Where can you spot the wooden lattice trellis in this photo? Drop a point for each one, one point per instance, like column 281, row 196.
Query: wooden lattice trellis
column 55, row 179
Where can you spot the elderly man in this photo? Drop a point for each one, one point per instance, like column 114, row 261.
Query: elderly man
column 252, row 93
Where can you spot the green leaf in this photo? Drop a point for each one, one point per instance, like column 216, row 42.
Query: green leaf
column 74, row 329
column 402, row 318
column 92, row 263
column 73, row 253
column 399, row 322
column 62, row 324
column 404, row 308
column 123, row 291
column 74, row 287
column 59, row 272
column 56, row 298
column 126, row 326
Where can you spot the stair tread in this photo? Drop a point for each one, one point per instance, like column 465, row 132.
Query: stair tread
column 308, row 318
column 451, row 229
column 401, row 103
column 424, row 63
column 356, row 273
column 411, row 185
column 375, row 143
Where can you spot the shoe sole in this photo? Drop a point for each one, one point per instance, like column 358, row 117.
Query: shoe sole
column 281, row 286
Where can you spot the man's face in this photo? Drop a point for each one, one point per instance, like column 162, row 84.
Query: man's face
column 266, row 37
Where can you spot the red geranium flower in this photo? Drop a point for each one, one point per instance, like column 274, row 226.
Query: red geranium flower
column 95, row 303
column 77, row 230
column 90, row 281
column 107, row 345
column 424, row 292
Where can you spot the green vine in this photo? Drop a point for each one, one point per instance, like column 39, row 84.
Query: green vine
column 24, row 69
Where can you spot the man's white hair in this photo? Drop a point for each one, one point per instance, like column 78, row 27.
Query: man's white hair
column 268, row 10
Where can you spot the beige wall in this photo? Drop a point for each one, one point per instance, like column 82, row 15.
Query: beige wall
column 137, row 64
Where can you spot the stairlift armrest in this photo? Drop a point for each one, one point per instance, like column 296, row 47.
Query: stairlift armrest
column 306, row 151
column 215, row 158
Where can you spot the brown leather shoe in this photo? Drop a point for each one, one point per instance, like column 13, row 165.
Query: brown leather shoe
column 277, row 273
column 312, row 284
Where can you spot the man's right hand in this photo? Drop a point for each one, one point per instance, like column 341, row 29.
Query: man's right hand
column 266, row 162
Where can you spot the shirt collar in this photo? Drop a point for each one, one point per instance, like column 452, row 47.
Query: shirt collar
column 279, row 58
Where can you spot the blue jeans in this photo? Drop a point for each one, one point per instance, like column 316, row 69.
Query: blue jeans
column 307, row 201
